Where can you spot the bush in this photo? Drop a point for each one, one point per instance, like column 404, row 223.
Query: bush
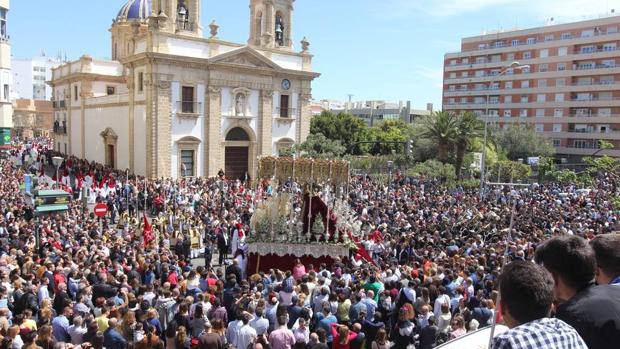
column 433, row 169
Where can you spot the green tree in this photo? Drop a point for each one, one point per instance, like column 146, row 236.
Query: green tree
column 441, row 129
column 468, row 128
column 319, row 146
column 606, row 166
column 434, row 169
column 345, row 128
column 510, row 171
column 389, row 131
column 522, row 141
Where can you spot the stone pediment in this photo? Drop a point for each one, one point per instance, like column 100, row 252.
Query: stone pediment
column 245, row 57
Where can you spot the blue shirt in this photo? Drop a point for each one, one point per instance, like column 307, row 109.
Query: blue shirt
column 60, row 328
column 326, row 324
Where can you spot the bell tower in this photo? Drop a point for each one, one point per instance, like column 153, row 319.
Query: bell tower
column 271, row 24
column 180, row 17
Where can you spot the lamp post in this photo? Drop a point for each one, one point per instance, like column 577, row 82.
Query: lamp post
column 57, row 161
column 513, row 65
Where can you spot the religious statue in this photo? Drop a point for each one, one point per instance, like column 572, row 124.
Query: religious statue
column 240, row 105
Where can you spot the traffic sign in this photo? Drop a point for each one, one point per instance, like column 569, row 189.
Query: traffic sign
column 101, row 210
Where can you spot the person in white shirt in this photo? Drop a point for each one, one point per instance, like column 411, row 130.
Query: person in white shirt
column 77, row 331
column 246, row 334
column 443, row 298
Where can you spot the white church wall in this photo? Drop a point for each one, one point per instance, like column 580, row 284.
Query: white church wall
column 287, row 61
column 139, row 121
column 227, row 103
column 75, row 133
column 188, row 48
column 184, row 127
column 98, row 119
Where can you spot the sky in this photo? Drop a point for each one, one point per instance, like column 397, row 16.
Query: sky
column 373, row 49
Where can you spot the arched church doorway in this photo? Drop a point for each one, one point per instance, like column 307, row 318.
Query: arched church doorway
column 237, row 154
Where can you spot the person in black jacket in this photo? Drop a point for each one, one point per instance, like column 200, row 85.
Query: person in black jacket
column 428, row 334
column 594, row 311
column 29, row 300
column 222, row 244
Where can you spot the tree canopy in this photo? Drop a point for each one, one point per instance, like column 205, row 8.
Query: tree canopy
column 522, row 141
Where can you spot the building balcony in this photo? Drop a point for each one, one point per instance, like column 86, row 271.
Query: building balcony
column 185, row 25
column 188, row 108
column 60, row 129
column 586, row 150
column 286, row 113
column 59, row 104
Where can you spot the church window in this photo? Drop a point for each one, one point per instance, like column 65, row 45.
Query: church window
column 110, row 90
column 259, row 24
column 75, row 93
column 279, row 30
column 187, row 101
column 140, row 81
column 183, row 16
column 187, row 163
column 284, row 106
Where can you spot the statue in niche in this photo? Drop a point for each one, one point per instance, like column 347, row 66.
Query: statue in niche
column 279, row 31
column 240, row 105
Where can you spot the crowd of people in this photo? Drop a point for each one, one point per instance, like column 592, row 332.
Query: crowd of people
column 544, row 260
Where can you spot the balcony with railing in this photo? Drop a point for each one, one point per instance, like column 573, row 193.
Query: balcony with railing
column 286, row 113
column 185, row 25
column 60, row 128
column 188, row 108
column 59, row 104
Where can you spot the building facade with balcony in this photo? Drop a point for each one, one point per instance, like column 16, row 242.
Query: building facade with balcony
column 174, row 104
column 568, row 87
column 6, row 106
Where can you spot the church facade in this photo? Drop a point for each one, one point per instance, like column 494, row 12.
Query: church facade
column 173, row 103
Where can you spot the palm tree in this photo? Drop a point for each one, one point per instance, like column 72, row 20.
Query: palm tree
column 468, row 128
column 441, row 128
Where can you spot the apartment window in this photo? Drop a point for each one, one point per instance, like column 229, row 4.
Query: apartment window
column 495, row 72
column 496, row 58
column 609, row 63
column 525, row 99
column 523, row 113
column 525, row 70
column 187, row 163
column 612, row 30
column 110, row 90
column 527, row 55
column 587, row 33
column 465, row 60
column 479, row 87
column 567, row 36
column 560, row 82
column 479, row 100
column 140, row 82
column 187, row 99
column 582, row 112
column 479, row 73
column 6, row 92
column 561, row 66
column 499, row 44
column 587, row 49
column 585, row 65
column 540, row 113
column 507, row 99
column 539, row 128
column 525, row 84
column 543, row 67
column 492, row 113
column 453, row 62
column 556, row 142
column 515, row 42
column 508, row 85
column 544, row 53
column 75, row 92
column 463, row 87
column 609, row 47
column 481, row 60
column 284, row 106
column 507, row 113
column 453, row 75
column 604, row 96
column 558, row 112
column 464, row 74
column 531, row 41
column 562, row 51
column 510, row 71
column 604, row 112
column 494, row 86
column 549, row 37
column 541, row 98
column 451, row 88
column 580, row 143
column 3, row 33
column 559, row 97
column 451, row 100
column 557, row 127
column 542, row 83
column 510, row 57
column 494, row 100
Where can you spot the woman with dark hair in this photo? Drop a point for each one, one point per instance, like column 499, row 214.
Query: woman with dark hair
column 150, row 340
column 171, row 334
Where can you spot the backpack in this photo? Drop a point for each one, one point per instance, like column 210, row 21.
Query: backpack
column 194, row 343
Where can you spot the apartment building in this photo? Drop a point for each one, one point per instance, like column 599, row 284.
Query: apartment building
column 6, row 107
column 563, row 79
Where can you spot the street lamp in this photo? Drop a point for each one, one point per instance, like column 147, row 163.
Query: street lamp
column 57, row 161
column 513, row 65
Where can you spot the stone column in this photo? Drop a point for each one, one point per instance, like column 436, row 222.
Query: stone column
column 213, row 148
column 131, row 109
column 265, row 140
column 86, row 91
column 305, row 116
column 163, row 128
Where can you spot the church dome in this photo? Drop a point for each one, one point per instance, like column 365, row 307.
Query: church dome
column 135, row 10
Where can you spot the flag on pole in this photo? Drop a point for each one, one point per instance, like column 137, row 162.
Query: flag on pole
column 147, row 231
